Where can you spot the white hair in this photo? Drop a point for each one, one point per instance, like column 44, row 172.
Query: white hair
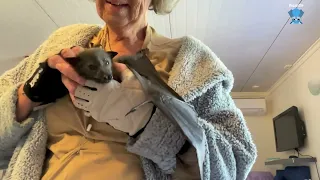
column 161, row 6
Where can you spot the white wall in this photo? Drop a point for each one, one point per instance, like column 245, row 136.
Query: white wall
column 293, row 90
column 290, row 90
column 261, row 128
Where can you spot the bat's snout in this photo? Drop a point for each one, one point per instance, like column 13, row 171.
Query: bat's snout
column 108, row 78
column 103, row 77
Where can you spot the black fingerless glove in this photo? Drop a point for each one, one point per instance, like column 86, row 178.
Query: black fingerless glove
column 45, row 85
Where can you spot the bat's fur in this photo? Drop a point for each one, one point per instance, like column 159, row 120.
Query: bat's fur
column 94, row 64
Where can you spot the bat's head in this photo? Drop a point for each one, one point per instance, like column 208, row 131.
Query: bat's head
column 95, row 64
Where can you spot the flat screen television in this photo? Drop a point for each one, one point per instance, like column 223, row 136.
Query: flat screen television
column 289, row 130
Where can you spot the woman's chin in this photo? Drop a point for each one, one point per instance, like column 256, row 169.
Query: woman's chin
column 115, row 20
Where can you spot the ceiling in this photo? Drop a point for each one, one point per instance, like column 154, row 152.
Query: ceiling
column 253, row 38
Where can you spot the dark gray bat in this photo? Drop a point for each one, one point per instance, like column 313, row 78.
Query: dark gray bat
column 168, row 101
column 94, row 64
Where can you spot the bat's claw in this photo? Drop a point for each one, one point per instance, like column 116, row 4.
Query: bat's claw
column 144, row 51
column 136, row 107
column 131, row 111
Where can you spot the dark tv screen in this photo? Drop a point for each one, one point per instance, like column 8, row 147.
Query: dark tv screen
column 289, row 130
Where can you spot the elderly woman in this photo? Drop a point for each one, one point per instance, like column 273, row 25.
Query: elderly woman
column 54, row 142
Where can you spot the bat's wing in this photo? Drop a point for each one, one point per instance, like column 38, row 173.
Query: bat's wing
column 175, row 109
column 185, row 116
column 142, row 64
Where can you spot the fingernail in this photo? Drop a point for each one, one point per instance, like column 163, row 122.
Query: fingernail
column 60, row 53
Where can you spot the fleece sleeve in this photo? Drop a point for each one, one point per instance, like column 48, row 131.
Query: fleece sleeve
column 10, row 130
column 231, row 152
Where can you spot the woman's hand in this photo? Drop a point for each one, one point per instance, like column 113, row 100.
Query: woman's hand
column 118, row 70
column 115, row 102
column 69, row 76
column 47, row 83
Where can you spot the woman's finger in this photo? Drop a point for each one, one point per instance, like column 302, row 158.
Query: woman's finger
column 73, row 99
column 67, row 53
column 67, row 70
column 59, row 58
column 54, row 60
column 64, row 53
column 70, row 84
column 58, row 62
column 77, row 49
column 119, row 67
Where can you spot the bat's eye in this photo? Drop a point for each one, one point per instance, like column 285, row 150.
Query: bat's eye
column 92, row 67
column 107, row 62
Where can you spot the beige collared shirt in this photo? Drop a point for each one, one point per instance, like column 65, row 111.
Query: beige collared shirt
column 75, row 153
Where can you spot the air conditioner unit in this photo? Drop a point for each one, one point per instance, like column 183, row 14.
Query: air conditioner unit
column 252, row 107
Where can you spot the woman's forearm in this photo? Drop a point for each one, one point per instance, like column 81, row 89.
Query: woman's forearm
column 24, row 105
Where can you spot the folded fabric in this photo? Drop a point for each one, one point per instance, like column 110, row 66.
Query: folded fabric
column 111, row 103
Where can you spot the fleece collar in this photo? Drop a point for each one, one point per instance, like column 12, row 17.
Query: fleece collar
column 197, row 69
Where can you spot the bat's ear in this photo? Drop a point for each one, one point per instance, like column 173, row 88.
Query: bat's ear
column 112, row 54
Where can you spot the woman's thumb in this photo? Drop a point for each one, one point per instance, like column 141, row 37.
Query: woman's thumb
column 119, row 67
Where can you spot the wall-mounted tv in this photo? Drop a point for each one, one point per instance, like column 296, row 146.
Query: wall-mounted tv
column 289, row 130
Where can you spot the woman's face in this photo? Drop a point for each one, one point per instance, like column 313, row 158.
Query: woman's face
column 121, row 12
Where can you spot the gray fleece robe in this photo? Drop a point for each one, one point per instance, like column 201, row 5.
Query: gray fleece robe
column 197, row 75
